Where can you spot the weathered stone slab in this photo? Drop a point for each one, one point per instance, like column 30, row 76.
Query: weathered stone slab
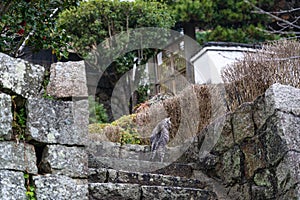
column 63, row 160
column 243, row 125
column 58, row 122
column 115, row 150
column 5, row 117
column 116, row 191
column 263, row 178
column 20, row 76
column 225, row 140
column 283, row 97
column 68, row 79
column 128, row 164
column 103, row 175
column 20, row 157
column 288, row 175
column 98, row 175
column 277, row 97
column 131, row 151
column 280, row 134
column 254, row 157
column 229, row 168
column 53, row 187
column 12, row 185
column 238, row 192
column 165, row 192
column 288, row 126
column 158, row 179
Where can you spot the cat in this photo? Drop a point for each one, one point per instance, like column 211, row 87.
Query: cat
column 160, row 137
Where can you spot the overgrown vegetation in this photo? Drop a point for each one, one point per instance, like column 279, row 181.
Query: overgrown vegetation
column 123, row 130
column 276, row 62
column 187, row 119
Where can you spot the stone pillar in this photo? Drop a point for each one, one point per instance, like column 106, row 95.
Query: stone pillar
column 43, row 148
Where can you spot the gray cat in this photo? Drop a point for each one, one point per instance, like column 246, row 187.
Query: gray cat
column 160, row 137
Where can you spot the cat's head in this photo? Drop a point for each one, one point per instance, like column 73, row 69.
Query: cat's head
column 168, row 122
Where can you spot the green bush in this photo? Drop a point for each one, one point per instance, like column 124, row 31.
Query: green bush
column 129, row 138
column 97, row 112
column 123, row 130
column 128, row 129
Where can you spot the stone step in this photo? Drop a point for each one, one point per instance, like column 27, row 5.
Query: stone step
column 132, row 165
column 125, row 191
column 131, row 151
column 104, row 175
column 165, row 192
column 114, row 191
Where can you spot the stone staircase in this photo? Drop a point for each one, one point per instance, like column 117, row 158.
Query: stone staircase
column 118, row 184
column 125, row 172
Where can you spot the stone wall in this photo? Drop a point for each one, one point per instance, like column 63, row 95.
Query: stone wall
column 42, row 140
column 257, row 155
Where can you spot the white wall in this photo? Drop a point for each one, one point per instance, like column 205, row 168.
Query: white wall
column 209, row 62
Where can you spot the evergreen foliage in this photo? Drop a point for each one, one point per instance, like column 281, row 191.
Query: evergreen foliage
column 95, row 21
column 32, row 23
column 97, row 112
column 227, row 21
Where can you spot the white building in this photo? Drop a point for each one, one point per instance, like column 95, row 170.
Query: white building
column 212, row 58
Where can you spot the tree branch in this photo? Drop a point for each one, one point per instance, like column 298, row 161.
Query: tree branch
column 280, row 32
column 286, row 11
column 261, row 11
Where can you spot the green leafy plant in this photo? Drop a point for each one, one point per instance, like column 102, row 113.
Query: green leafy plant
column 30, row 188
column 129, row 138
column 128, row 131
column 124, row 130
column 97, row 112
column 142, row 92
column 45, row 84
column 19, row 117
column 32, row 23
column 47, row 96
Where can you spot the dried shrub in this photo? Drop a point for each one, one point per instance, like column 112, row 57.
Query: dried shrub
column 147, row 119
column 113, row 133
column 104, row 132
column 276, row 62
column 190, row 111
column 173, row 108
column 204, row 100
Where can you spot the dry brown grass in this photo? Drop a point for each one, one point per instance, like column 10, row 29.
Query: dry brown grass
column 276, row 62
column 104, row 132
column 190, row 111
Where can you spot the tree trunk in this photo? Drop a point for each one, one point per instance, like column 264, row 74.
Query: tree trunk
column 189, row 48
